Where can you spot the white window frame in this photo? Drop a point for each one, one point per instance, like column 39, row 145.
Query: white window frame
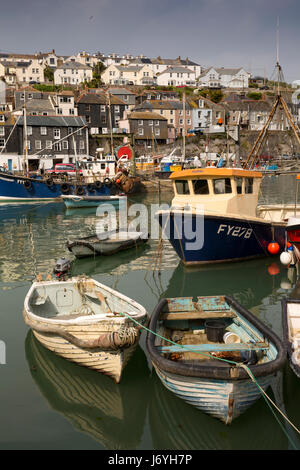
column 140, row 131
column 56, row 133
column 49, row 144
column 43, row 130
column 38, row 145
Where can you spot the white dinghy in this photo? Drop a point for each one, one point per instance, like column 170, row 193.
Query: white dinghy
column 85, row 322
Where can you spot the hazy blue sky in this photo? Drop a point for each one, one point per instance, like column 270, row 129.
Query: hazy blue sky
column 210, row 32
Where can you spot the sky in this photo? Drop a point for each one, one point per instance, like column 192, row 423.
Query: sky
column 219, row 33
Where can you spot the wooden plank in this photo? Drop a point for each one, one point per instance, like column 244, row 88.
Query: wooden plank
column 196, row 315
column 213, row 347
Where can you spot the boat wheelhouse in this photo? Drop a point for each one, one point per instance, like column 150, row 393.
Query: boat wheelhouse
column 213, row 217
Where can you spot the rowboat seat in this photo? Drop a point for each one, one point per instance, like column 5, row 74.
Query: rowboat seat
column 213, row 347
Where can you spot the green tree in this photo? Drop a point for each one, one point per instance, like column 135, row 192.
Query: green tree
column 254, row 95
column 49, row 74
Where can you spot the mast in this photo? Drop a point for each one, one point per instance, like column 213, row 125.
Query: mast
column 184, row 125
column 110, row 125
column 25, row 143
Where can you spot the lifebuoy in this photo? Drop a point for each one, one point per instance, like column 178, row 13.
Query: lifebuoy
column 65, row 188
column 79, row 190
column 98, row 184
column 27, row 184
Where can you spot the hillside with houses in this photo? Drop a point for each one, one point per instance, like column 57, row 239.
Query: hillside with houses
column 77, row 103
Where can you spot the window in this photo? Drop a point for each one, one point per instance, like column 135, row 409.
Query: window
column 81, row 144
column 140, row 122
column 151, row 123
column 2, row 131
column 56, row 133
column 70, row 130
column 2, row 118
column 222, row 186
column 200, row 186
column 48, row 144
column 29, row 130
column 239, row 185
column 71, row 111
column 59, row 111
column 157, row 131
column 38, row 144
column 248, row 185
column 2, row 143
column 65, row 145
column 141, row 131
column 102, row 108
column 157, row 123
column 88, row 119
column 182, row 187
column 43, row 130
column 117, row 109
column 87, row 107
column 57, row 146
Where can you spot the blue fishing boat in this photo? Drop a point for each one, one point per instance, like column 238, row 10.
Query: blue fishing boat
column 215, row 217
column 213, row 353
column 24, row 189
column 291, row 332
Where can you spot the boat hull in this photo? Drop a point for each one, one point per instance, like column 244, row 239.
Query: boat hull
column 14, row 189
column 224, row 238
column 291, row 331
column 110, row 363
column 94, row 246
column 223, row 400
column 90, row 201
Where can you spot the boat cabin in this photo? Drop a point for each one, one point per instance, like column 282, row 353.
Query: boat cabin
column 222, row 190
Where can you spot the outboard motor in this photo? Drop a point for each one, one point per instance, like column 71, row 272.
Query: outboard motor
column 62, row 267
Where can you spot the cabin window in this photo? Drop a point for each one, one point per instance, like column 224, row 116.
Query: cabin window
column 248, row 185
column 182, row 187
column 200, row 186
column 222, row 186
column 239, row 185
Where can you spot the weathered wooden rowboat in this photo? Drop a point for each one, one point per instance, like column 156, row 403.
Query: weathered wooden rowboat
column 192, row 360
column 85, row 322
column 107, row 243
column 291, row 332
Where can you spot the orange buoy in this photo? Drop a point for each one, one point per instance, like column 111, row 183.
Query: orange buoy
column 273, row 248
column 288, row 244
column 273, row 269
column 118, row 181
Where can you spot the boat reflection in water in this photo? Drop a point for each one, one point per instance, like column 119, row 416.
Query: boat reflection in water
column 175, row 425
column 113, row 415
column 248, row 282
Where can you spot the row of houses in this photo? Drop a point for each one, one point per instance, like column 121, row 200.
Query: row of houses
column 19, row 69
column 60, row 125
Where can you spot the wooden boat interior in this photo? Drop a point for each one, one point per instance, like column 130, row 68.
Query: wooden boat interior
column 77, row 298
column 182, row 321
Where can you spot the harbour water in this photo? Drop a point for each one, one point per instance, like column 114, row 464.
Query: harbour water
column 49, row 403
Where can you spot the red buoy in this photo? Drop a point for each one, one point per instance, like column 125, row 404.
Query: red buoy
column 273, row 248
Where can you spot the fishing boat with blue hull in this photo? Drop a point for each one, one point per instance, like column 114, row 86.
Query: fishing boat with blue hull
column 73, row 201
column 21, row 188
column 213, row 353
column 215, row 217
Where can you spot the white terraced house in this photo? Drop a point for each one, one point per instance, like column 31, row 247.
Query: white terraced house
column 128, row 75
column 224, row 77
column 177, row 76
column 72, row 73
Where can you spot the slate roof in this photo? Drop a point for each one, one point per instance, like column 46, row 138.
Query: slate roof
column 146, row 115
column 73, row 65
column 54, row 121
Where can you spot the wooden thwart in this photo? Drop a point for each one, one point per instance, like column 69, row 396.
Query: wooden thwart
column 213, row 347
column 197, row 315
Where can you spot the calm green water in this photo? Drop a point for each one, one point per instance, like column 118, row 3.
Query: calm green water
column 48, row 403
